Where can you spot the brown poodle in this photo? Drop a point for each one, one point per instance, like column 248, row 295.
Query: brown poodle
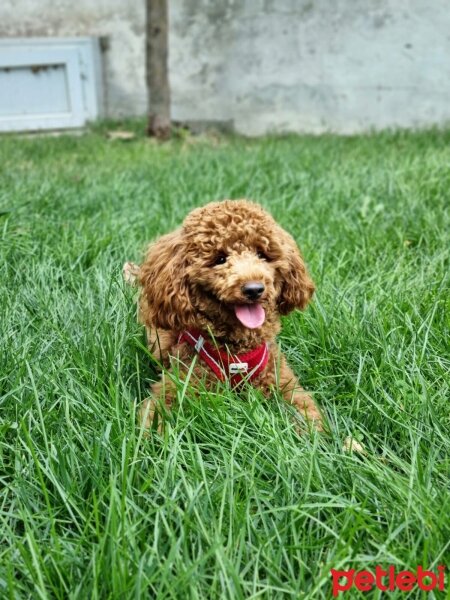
column 215, row 289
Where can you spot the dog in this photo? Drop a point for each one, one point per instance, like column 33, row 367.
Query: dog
column 215, row 289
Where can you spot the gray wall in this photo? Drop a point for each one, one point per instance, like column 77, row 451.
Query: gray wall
column 270, row 65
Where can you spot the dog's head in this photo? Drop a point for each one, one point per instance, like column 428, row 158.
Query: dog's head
column 229, row 267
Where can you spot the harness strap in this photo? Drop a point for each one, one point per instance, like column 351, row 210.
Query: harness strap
column 235, row 368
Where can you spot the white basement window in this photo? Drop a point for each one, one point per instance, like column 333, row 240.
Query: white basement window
column 49, row 83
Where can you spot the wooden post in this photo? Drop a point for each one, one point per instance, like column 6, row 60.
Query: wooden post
column 158, row 87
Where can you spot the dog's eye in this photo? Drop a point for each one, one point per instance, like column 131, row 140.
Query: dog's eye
column 263, row 256
column 220, row 259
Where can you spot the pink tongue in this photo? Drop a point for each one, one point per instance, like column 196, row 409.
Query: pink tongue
column 250, row 315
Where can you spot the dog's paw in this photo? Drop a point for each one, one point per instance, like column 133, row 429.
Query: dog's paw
column 130, row 273
column 307, row 408
column 148, row 417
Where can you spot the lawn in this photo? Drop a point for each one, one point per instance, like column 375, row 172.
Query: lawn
column 229, row 502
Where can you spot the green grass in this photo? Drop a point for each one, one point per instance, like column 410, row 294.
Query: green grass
column 229, row 502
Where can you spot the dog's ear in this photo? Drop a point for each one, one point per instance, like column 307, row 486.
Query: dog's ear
column 297, row 287
column 164, row 284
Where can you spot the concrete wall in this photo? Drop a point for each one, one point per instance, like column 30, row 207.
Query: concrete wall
column 270, row 65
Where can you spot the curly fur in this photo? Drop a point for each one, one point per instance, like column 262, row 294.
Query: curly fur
column 182, row 288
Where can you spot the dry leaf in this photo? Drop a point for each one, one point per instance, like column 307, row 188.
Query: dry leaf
column 124, row 136
column 352, row 445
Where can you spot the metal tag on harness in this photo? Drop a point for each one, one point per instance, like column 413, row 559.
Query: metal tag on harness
column 237, row 368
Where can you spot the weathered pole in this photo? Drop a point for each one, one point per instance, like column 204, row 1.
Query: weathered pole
column 158, row 87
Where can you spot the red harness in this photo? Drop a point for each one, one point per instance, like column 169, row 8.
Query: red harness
column 235, row 368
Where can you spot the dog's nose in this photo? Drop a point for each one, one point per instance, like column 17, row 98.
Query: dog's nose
column 253, row 289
